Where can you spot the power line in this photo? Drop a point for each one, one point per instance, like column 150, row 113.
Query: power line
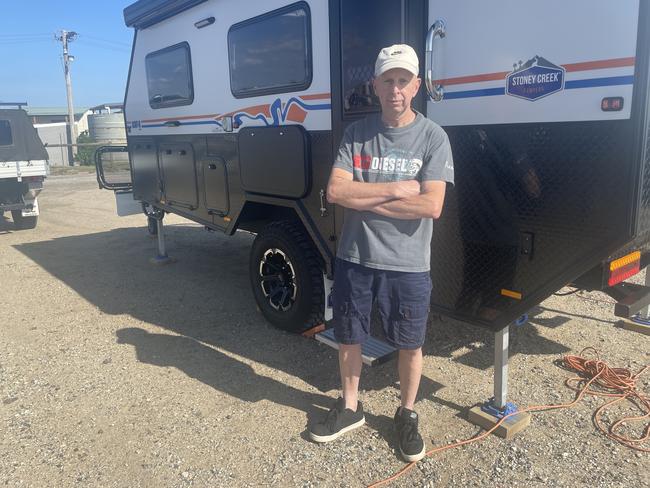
column 25, row 35
column 87, row 42
column 108, row 41
column 22, row 41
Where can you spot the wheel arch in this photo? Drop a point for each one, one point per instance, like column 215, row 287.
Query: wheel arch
column 258, row 211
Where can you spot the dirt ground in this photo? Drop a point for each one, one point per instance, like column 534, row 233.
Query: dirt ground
column 117, row 373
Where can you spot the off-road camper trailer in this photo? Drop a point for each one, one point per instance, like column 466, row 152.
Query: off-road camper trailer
column 234, row 111
column 23, row 166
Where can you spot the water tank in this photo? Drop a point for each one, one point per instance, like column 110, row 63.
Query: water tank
column 107, row 127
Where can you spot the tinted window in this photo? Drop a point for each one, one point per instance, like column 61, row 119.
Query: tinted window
column 271, row 53
column 5, row 133
column 169, row 76
column 366, row 27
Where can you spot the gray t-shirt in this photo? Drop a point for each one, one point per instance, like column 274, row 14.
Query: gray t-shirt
column 374, row 153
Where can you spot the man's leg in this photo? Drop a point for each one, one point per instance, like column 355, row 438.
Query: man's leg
column 352, row 305
column 350, row 368
column 409, row 367
column 404, row 305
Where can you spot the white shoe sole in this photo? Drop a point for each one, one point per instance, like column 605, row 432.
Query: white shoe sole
column 413, row 457
column 331, row 437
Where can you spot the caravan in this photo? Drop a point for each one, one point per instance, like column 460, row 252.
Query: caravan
column 234, row 112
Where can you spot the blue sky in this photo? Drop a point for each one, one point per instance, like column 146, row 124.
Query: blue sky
column 33, row 66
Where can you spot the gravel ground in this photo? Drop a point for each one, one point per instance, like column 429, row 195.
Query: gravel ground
column 116, row 373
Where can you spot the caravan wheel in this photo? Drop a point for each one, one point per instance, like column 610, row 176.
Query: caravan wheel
column 21, row 222
column 287, row 277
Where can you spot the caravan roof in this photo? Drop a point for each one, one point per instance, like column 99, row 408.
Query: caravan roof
column 145, row 13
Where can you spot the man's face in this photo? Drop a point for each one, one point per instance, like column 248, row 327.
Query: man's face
column 395, row 89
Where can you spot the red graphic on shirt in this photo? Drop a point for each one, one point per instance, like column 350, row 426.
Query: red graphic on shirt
column 362, row 162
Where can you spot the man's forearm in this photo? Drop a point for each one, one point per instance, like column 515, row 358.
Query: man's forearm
column 360, row 195
column 361, row 203
column 417, row 207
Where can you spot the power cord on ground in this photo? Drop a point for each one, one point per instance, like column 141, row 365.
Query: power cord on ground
column 617, row 383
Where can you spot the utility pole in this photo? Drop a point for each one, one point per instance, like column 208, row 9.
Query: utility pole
column 65, row 37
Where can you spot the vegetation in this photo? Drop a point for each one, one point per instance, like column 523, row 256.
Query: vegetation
column 85, row 154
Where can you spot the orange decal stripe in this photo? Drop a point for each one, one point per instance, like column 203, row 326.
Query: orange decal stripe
column 473, row 78
column 607, row 63
column 316, row 96
column 586, row 66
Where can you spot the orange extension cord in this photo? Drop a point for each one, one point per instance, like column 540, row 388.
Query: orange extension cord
column 616, row 383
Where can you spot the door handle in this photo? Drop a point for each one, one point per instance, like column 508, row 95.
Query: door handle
column 212, row 166
column 172, row 123
column 438, row 29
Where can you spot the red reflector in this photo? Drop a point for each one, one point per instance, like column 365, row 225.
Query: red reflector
column 623, row 273
column 612, row 104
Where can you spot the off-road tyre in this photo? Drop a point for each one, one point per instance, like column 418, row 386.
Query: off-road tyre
column 23, row 223
column 300, row 278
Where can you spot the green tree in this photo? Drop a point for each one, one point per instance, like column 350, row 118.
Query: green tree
column 85, row 154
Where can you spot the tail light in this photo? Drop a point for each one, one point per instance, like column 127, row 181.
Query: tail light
column 622, row 268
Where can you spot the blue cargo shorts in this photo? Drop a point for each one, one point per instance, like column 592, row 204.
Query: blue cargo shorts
column 401, row 297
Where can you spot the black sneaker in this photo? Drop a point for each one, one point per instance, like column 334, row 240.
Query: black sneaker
column 339, row 420
column 411, row 445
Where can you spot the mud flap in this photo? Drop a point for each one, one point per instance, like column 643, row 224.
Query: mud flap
column 125, row 203
column 33, row 212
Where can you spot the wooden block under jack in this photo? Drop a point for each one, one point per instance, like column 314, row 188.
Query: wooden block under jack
column 507, row 430
column 634, row 326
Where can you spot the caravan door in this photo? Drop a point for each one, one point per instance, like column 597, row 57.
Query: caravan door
column 508, row 63
column 360, row 29
column 538, row 101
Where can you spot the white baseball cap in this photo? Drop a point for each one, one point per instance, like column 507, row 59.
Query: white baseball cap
column 397, row 56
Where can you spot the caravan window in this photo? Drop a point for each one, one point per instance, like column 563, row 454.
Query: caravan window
column 271, row 53
column 6, row 138
column 361, row 46
column 169, row 76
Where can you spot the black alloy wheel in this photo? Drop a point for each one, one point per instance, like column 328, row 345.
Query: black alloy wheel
column 277, row 279
column 287, row 278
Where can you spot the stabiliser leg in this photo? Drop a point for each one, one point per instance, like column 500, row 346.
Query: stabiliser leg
column 162, row 258
column 488, row 414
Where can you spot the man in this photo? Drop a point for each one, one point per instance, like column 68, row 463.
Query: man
column 390, row 174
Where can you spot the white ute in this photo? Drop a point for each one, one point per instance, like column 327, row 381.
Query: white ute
column 23, row 167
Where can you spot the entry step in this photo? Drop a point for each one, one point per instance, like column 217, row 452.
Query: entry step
column 373, row 351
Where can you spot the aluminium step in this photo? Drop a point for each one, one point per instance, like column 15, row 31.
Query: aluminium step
column 373, row 351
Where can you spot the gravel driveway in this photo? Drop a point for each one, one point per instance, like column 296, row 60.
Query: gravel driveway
column 117, row 373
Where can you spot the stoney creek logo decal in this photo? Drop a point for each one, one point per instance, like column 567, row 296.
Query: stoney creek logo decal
column 535, row 79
